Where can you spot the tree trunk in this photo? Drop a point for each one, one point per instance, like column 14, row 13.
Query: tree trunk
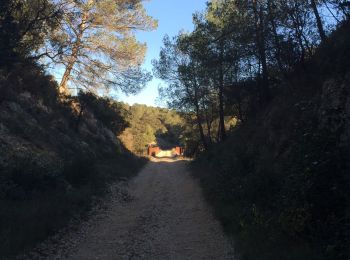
column 200, row 128
column 63, row 85
column 209, row 122
column 261, row 46
column 75, row 51
column 275, row 36
column 222, row 116
column 239, row 108
column 299, row 36
column 221, row 95
column 218, row 133
column 80, row 116
column 318, row 21
column 194, row 100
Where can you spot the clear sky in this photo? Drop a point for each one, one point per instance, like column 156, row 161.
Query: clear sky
column 172, row 16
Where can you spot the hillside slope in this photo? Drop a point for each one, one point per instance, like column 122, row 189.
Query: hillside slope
column 280, row 184
column 54, row 160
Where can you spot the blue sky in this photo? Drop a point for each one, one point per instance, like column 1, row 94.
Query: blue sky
column 172, row 16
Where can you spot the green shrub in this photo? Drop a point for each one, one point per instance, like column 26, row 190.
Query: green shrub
column 291, row 207
column 109, row 112
column 35, row 204
column 80, row 171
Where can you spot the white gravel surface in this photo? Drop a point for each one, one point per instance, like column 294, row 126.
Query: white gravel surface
column 160, row 214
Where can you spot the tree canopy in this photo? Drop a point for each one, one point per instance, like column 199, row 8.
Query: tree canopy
column 97, row 46
column 149, row 125
column 91, row 42
column 232, row 63
column 24, row 27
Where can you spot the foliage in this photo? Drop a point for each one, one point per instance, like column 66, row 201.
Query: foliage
column 49, row 172
column 97, row 47
column 153, row 125
column 109, row 112
column 39, row 84
column 50, row 169
column 280, row 181
column 38, row 202
column 92, row 41
column 23, row 27
column 239, row 56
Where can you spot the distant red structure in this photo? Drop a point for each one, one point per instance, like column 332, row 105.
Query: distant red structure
column 179, row 151
column 153, row 150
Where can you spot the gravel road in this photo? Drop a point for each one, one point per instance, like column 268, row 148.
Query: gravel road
column 162, row 216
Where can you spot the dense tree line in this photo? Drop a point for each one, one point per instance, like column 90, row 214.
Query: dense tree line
column 278, row 181
column 239, row 52
column 153, row 125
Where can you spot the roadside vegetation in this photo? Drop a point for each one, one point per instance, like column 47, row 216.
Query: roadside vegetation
column 267, row 83
column 58, row 152
column 54, row 160
column 258, row 93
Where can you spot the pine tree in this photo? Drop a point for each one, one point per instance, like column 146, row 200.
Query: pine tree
column 97, row 45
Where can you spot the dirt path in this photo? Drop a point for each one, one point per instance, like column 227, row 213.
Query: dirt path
column 165, row 217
